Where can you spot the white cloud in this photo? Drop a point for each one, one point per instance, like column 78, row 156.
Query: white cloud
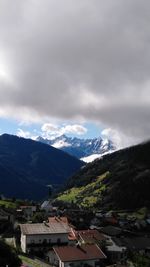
column 25, row 134
column 73, row 129
column 118, row 138
column 69, row 60
column 51, row 130
column 22, row 133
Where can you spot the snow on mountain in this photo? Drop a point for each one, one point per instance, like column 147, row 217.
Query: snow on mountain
column 86, row 149
column 95, row 156
column 91, row 158
column 60, row 144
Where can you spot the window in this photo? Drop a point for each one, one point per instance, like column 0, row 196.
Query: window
column 97, row 263
column 58, row 240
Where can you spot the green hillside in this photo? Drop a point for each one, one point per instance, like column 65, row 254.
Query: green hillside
column 86, row 196
column 119, row 180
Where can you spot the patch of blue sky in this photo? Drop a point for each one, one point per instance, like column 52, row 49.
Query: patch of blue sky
column 12, row 126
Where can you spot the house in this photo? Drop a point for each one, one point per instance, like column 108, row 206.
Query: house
column 116, row 252
column 40, row 236
column 90, row 237
column 60, row 219
column 111, row 230
column 28, row 211
column 99, row 214
column 46, row 206
column 111, row 220
column 56, row 219
column 85, row 255
column 139, row 244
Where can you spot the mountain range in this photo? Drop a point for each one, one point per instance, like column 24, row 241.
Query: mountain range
column 27, row 166
column 120, row 180
column 84, row 149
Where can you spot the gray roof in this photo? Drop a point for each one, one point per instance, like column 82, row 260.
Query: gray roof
column 44, row 228
column 137, row 243
column 46, row 204
column 111, row 230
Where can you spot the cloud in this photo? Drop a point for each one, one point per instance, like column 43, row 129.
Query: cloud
column 25, row 134
column 51, row 130
column 77, row 60
column 74, row 129
column 119, row 139
column 22, row 133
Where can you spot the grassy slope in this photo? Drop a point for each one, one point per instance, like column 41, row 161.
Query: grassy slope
column 86, row 196
column 126, row 186
column 8, row 204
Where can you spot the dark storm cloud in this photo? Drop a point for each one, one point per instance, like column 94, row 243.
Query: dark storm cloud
column 82, row 59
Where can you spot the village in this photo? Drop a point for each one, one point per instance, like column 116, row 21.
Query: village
column 75, row 237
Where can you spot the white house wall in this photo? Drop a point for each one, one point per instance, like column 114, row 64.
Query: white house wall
column 77, row 263
column 37, row 239
column 23, row 243
column 40, row 238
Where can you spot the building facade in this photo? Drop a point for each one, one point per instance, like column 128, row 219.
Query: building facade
column 42, row 236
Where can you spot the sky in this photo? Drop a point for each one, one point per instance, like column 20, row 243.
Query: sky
column 75, row 67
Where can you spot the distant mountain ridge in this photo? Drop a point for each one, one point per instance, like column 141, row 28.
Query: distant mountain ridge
column 27, row 166
column 80, row 148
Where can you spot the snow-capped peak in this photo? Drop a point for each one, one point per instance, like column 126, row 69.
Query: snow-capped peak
column 85, row 149
column 61, row 144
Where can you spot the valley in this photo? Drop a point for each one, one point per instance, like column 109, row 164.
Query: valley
column 104, row 204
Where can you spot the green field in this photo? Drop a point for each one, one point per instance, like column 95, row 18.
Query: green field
column 8, row 204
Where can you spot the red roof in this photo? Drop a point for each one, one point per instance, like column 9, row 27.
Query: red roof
column 90, row 235
column 72, row 236
column 58, row 219
column 78, row 253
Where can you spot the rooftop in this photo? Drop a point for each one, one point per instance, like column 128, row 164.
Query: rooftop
column 45, row 204
column 111, row 230
column 91, row 236
column 137, row 243
column 58, row 219
column 44, row 228
column 78, row 253
column 113, row 246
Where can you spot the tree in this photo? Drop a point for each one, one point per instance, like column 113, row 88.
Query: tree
column 8, row 256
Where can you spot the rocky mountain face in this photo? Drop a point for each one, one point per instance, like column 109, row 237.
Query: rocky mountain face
column 81, row 148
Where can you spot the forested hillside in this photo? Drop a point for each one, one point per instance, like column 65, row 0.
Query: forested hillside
column 27, row 166
column 119, row 180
